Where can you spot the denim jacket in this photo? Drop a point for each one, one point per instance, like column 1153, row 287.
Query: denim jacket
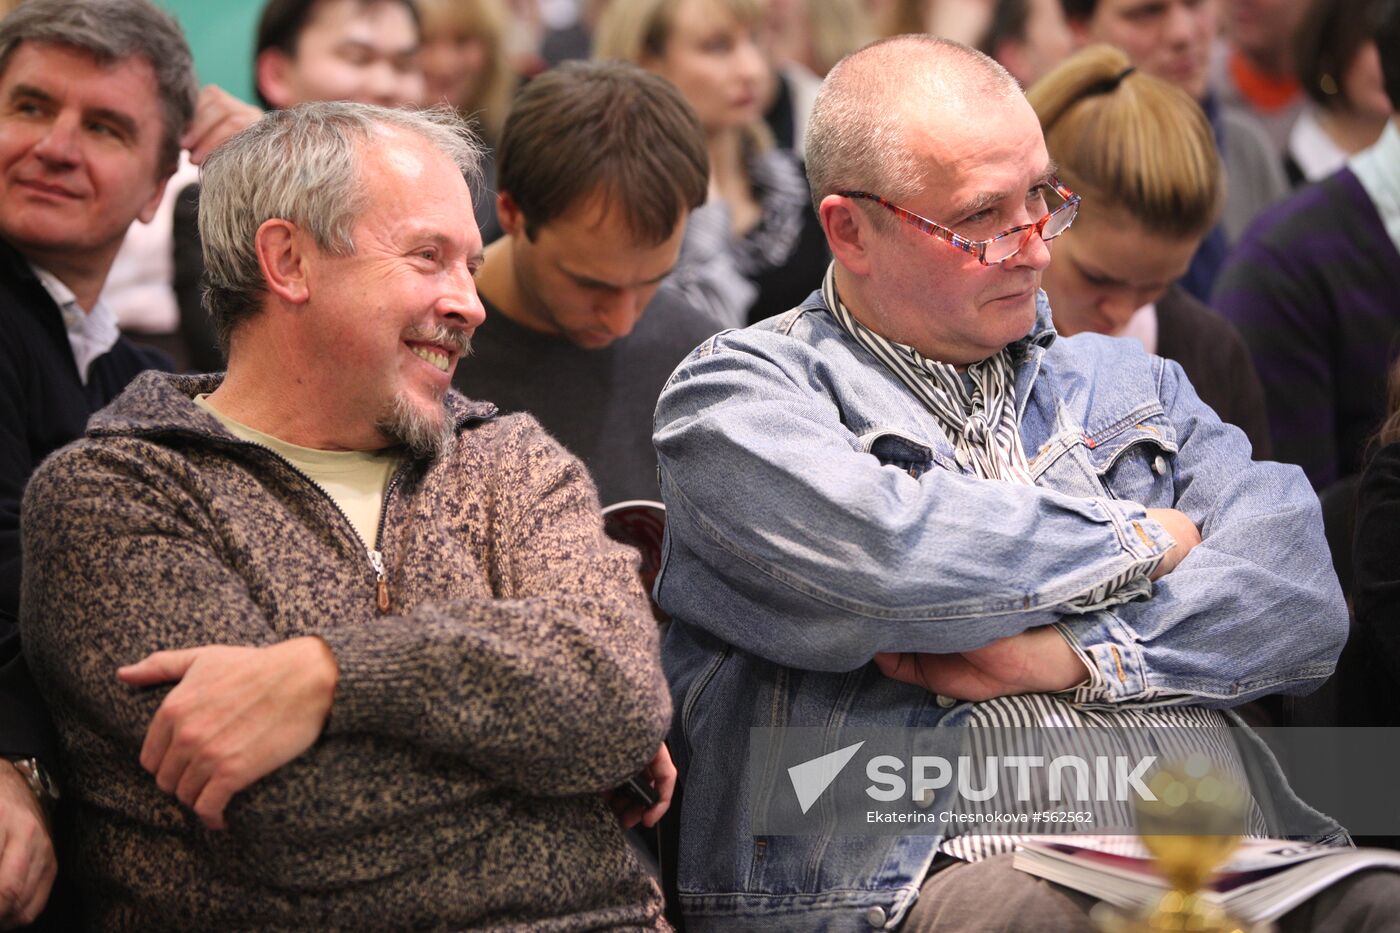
column 817, row 515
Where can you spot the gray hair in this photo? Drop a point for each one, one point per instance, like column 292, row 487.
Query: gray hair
column 301, row 165
column 857, row 135
column 112, row 30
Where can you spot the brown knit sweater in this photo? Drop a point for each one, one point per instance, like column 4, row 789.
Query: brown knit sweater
column 456, row 782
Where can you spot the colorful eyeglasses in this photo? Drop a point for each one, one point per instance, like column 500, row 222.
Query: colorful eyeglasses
column 1000, row 247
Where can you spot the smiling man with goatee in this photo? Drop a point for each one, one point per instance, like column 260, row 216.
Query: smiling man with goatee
column 329, row 644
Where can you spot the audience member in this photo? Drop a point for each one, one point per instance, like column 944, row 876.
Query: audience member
column 1312, row 289
column 306, row 50
column 816, row 34
column 1252, row 66
column 465, row 65
column 1347, row 108
column 381, row 647
column 1140, row 153
column 364, row 50
column 1028, row 38
column 600, row 166
column 755, row 240
column 912, row 476
column 1172, row 40
column 94, row 98
column 805, row 38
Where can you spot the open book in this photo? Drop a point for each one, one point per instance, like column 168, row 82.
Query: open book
column 1263, row 880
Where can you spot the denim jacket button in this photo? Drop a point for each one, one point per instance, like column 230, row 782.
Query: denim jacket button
column 925, row 799
column 875, row 916
column 946, row 702
column 961, row 455
column 1159, row 466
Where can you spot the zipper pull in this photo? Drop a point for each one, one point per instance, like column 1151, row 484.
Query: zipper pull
column 381, row 581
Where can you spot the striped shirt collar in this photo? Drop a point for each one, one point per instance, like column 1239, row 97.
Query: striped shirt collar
column 978, row 411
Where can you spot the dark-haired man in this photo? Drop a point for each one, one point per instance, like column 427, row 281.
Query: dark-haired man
column 362, row 50
column 599, row 167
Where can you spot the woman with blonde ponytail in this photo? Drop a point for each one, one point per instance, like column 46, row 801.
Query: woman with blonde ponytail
column 1141, row 154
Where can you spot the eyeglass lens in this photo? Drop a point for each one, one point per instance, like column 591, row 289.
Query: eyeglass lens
column 1004, row 247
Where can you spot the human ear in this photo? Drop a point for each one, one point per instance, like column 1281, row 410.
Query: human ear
column 509, row 214
column 272, row 73
column 848, row 232
column 282, row 257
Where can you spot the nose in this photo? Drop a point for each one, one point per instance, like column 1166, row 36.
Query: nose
column 1034, row 253
column 59, row 144
column 1117, row 309
column 388, row 86
column 460, row 304
column 619, row 313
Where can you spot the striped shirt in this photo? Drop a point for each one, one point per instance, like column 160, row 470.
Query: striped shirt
column 977, row 411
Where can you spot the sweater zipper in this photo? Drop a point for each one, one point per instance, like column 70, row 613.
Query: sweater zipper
column 376, row 559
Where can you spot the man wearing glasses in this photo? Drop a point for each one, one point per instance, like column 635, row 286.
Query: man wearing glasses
column 908, row 503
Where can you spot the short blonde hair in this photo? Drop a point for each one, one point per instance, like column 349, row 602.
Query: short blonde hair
column 1125, row 139
column 488, row 21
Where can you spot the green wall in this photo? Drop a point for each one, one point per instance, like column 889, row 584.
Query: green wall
column 221, row 36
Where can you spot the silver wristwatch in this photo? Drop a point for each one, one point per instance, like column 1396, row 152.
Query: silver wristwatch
column 39, row 781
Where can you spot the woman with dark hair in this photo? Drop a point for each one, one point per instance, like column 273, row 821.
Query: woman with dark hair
column 1339, row 68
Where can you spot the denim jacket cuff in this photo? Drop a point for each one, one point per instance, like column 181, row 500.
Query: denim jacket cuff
column 1140, row 536
column 1117, row 671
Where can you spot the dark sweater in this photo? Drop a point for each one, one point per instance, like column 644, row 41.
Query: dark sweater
column 455, row 784
column 1314, row 288
column 43, row 405
column 1211, row 351
column 598, row 403
column 1377, row 588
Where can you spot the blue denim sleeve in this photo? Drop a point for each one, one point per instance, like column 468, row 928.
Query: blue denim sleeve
column 1254, row 609
column 789, row 541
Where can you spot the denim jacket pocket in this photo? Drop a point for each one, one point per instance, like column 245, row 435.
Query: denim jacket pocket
column 900, row 450
column 1135, row 459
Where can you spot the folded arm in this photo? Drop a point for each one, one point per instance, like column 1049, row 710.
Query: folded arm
column 791, row 542
column 552, row 688
column 1255, row 608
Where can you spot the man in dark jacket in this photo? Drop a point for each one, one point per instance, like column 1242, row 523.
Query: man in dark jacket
column 94, row 97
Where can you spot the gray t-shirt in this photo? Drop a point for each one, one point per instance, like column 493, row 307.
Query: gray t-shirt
column 597, row 403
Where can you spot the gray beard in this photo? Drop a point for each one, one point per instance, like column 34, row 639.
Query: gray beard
column 425, row 435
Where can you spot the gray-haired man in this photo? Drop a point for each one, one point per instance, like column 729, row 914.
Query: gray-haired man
column 94, row 99
column 407, row 660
